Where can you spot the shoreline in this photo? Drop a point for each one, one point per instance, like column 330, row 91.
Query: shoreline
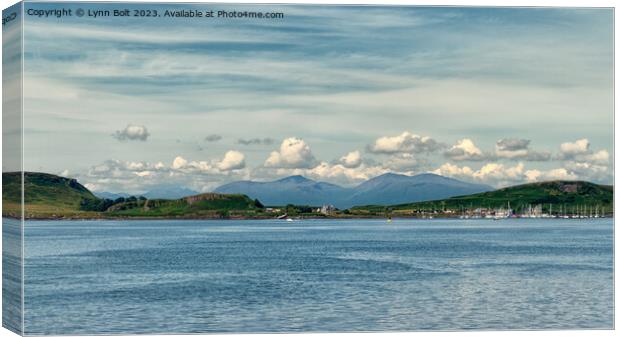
column 295, row 219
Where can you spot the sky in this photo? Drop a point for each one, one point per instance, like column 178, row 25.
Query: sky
column 500, row 96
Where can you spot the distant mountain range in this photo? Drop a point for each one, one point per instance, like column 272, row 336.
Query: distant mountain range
column 169, row 192
column 47, row 196
column 159, row 192
column 387, row 189
column 110, row 195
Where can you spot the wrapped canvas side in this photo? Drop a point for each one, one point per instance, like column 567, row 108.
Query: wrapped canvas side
column 12, row 170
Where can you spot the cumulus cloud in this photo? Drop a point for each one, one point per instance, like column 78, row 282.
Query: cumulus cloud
column 451, row 170
column 570, row 150
column 404, row 143
column 179, row 163
column 588, row 164
column 119, row 170
column 132, row 132
column 256, row 141
column 293, row 153
column 136, row 177
column 599, row 157
column 333, row 172
column 554, row 174
column 403, row 162
column 213, row 138
column 351, row 160
column 580, row 151
column 465, row 149
column 512, row 144
column 492, row 173
column 233, row 160
column 343, row 174
column 500, row 175
column 590, row 171
column 514, row 148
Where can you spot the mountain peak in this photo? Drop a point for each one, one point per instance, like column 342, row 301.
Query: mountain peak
column 294, row 179
column 391, row 174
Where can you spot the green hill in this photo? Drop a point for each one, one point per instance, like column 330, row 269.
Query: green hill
column 561, row 194
column 51, row 196
column 43, row 194
column 207, row 205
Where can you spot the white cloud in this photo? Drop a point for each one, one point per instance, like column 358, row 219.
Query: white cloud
column 343, row 174
column 132, row 132
column 554, row 174
column 136, row 165
column 584, row 162
column 514, row 148
column 559, row 174
column 92, row 187
column 500, row 175
column 451, row 170
column 324, row 171
column 293, row 153
column 179, row 163
column 465, row 149
column 402, row 162
column 138, row 177
column 406, row 142
column 351, row 160
column 599, row 157
column 590, row 171
column 233, row 160
column 580, row 151
column 571, row 150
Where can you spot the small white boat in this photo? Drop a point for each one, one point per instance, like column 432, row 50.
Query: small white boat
column 289, row 219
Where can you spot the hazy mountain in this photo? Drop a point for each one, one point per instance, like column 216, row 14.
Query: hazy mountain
column 387, row 189
column 159, row 192
column 291, row 190
column 110, row 195
column 393, row 189
column 169, row 192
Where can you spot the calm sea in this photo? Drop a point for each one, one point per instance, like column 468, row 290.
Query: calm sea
column 123, row 277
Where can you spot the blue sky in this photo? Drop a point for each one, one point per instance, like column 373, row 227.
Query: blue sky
column 336, row 93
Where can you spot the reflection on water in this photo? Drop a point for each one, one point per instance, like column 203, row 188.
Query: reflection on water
column 120, row 277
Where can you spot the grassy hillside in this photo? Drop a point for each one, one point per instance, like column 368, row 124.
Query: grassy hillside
column 43, row 194
column 211, row 205
column 50, row 196
column 565, row 194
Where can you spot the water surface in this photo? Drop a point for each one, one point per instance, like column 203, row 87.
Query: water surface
column 121, row 277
